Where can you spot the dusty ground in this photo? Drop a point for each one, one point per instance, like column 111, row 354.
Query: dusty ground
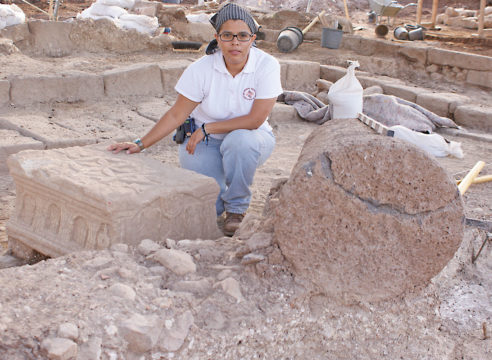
column 277, row 318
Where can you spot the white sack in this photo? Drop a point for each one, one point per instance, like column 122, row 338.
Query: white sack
column 127, row 4
column 434, row 144
column 345, row 95
column 141, row 23
column 199, row 18
column 105, row 10
column 11, row 15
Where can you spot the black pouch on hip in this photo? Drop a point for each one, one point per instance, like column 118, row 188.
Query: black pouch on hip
column 184, row 130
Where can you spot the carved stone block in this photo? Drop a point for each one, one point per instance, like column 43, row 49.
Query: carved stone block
column 88, row 198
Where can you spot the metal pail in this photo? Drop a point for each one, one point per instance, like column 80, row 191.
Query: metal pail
column 289, row 39
column 417, row 34
column 330, row 38
column 400, row 33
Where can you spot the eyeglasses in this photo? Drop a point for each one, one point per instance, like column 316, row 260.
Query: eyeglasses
column 242, row 36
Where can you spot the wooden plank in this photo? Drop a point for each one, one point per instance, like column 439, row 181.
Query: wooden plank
column 435, row 4
column 419, row 11
column 481, row 19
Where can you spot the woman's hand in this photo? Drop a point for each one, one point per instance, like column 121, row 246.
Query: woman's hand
column 194, row 139
column 130, row 147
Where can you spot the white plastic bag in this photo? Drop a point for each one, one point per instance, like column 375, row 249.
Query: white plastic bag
column 434, row 144
column 345, row 95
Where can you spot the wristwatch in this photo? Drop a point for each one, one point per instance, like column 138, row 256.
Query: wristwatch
column 140, row 144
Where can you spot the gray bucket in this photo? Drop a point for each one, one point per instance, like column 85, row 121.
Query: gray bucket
column 289, row 39
column 417, row 34
column 330, row 38
column 400, row 33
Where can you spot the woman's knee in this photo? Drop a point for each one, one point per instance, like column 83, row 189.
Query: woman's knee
column 240, row 141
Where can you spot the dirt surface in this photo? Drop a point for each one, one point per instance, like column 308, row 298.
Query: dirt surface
column 273, row 316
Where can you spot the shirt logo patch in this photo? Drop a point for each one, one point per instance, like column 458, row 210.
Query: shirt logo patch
column 249, row 94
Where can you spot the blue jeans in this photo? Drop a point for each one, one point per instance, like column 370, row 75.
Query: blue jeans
column 232, row 162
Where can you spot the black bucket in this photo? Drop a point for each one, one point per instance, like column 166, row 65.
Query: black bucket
column 289, row 39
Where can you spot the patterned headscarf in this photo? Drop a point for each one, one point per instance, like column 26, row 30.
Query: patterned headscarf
column 230, row 12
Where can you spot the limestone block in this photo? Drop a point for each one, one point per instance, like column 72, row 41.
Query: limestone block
column 450, row 11
column 332, row 73
column 70, row 87
column 470, row 23
column 366, row 217
column 455, row 21
column 42, row 129
column 413, row 54
column 299, row 75
column 171, row 72
column 144, row 7
column 282, row 114
column 89, row 198
column 4, row 92
column 459, row 59
column 481, row 78
column 18, row 33
column 13, row 142
column 271, row 35
column 442, row 104
column 441, row 18
column 406, row 92
column 488, row 10
column 139, row 79
column 474, row 116
column 368, row 81
column 51, row 38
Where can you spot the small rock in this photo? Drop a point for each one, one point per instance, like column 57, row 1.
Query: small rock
column 7, row 261
column 170, row 243
column 231, row 286
column 99, row 262
column 126, row 274
column 111, row 330
column 198, row 287
column 59, row 348
column 224, row 274
column 123, row 291
column 259, row 240
column 432, row 68
column 147, row 247
column 163, row 303
column 120, row 247
column 174, row 336
column 90, row 350
column 68, row 330
column 141, row 332
column 179, row 262
column 252, row 259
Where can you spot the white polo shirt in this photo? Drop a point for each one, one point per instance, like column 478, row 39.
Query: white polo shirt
column 224, row 97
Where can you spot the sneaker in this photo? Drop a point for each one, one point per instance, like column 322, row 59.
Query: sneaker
column 232, row 222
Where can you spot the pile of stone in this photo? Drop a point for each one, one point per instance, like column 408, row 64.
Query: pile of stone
column 465, row 18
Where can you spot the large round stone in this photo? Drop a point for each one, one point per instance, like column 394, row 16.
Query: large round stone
column 365, row 216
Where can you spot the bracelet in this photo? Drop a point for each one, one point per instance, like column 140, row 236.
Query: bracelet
column 205, row 133
column 140, row 144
